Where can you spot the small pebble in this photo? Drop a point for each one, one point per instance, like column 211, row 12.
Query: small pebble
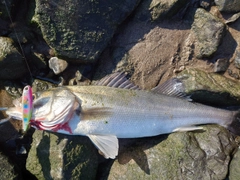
column 57, row 65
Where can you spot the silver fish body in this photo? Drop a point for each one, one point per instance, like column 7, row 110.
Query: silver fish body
column 133, row 113
column 121, row 111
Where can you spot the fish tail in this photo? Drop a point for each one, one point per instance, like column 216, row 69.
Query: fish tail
column 234, row 126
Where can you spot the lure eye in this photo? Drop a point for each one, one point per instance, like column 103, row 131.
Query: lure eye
column 26, row 88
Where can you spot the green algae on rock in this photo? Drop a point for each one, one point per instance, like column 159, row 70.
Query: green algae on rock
column 80, row 30
column 57, row 156
column 221, row 90
column 189, row 155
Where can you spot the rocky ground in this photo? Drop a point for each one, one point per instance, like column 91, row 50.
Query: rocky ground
column 46, row 43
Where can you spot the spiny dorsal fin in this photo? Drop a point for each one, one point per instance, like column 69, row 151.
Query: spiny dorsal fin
column 172, row 87
column 117, row 80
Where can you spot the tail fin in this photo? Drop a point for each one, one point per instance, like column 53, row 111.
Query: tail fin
column 234, row 126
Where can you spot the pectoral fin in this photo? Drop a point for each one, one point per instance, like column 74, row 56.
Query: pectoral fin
column 189, row 128
column 107, row 144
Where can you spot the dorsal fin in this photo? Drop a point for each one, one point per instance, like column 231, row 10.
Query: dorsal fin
column 117, row 80
column 172, row 87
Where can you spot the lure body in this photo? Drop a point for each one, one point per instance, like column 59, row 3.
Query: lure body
column 27, row 106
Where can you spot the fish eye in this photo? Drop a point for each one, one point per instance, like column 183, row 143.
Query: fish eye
column 35, row 95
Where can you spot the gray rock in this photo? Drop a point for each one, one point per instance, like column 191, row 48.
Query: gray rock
column 165, row 8
column 237, row 59
column 228, row 5
column 192, row 155
column 58, row 156
column 234, row 168
column 12, row 65
column 221, row 65
column 208, row 31
column 7, row 169
column 80, row 30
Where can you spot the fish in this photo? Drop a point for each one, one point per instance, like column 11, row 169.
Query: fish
column 115, row 108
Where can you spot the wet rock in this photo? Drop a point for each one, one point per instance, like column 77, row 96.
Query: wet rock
column 57, row 65
column 191, row 155
column 228, row 5
column 7, row 169
column 57, row 156
column 12, row 64
column 210, row 88
column 221, row 65
column 165, row 8
column 91, row 27
column 208, row 31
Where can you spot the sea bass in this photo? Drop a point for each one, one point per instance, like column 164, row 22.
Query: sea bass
column 115, row 108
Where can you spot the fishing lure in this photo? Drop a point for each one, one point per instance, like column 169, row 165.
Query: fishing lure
column 27, row 106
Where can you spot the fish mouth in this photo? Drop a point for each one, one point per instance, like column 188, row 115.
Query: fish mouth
column 15, row 113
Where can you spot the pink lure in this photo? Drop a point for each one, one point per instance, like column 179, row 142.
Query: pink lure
column 27, row 106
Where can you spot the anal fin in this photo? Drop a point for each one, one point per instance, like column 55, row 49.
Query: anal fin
column 188, row 128
column 107, row 144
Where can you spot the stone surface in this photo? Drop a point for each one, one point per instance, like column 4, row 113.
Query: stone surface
column 208, row 31
column 165, row 8
column 12, row 65
column 234, row 169
column 57, row 156
column 210, row 88
column 228, row 5
column 90, row 29
column 193, row 155
column 221, row 65
column 7, row 169
column 237, row 58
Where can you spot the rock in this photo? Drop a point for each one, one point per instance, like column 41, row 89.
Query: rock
column 233, row 18
column 57, row 65
column 189, row 155
column 205, row 3
column 12, row 64
column 234, row 168
column 141, row 48
column 228, row 5
column 237, row 58
column 210, row 88
column 208, row 31
column 5, row 8
column 165, row 8
column 58, row 156
column 92, row 26
column 221, row 65
column 7, row 169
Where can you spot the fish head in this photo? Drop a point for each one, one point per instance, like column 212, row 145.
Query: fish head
column 52, row 109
